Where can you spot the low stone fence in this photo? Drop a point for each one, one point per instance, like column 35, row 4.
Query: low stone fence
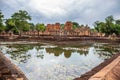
column 58, row 38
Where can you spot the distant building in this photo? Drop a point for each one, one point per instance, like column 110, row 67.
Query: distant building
column 68, row 26
column 53, row 29
column 67, row 30
column 97, row 34
column 83, row 31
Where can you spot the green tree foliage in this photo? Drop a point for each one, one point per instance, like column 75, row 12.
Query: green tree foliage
column 21, row 16
column 62, row 25
column 26, row 26
column 1, row 16
column 19, row 22
column 10, row 25
column 2, row 27
column 40, row 27
column 99, row 26
column 117, row 21
column 32, row 26
column 75, row 25
column 108, row 27
column 117, row 26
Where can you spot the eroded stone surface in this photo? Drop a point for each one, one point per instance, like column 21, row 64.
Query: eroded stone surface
column 112, row 74
column 9, row 71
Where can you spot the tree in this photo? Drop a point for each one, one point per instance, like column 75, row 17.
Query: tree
column 20, row 20
column 117, row 24
column 2, row 27
column 21, row 16
column 108, row 27
column 40, row 27
column 117, row 21
column 10, row 25
column 75, row 25
column 97, row 26
column 109, row 19
column 26, row 26
column 62, row 25
column 32, row 26
column 1, row 16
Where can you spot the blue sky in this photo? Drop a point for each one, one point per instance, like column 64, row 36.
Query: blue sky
column 51, row 11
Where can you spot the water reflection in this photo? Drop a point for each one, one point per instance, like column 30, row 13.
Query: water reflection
column 105, row 51
column 59, row 51
column 67, row 51
column 51, row 62
column 56, row 51
column 22, row 53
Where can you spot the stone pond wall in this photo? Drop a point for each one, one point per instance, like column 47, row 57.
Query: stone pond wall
column 9, row 71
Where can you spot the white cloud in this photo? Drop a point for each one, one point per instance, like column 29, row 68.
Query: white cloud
column 117, row 16
column 50, row 7
column 83, row 11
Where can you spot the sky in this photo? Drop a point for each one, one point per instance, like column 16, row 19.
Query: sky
column 52, row 11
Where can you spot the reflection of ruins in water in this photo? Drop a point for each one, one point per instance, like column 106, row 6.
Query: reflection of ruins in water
column 21, row 53
column 67, row 53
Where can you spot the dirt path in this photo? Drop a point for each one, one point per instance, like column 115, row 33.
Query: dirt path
column 9, row 71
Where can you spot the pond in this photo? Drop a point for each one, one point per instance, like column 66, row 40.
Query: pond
column 58, row 62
